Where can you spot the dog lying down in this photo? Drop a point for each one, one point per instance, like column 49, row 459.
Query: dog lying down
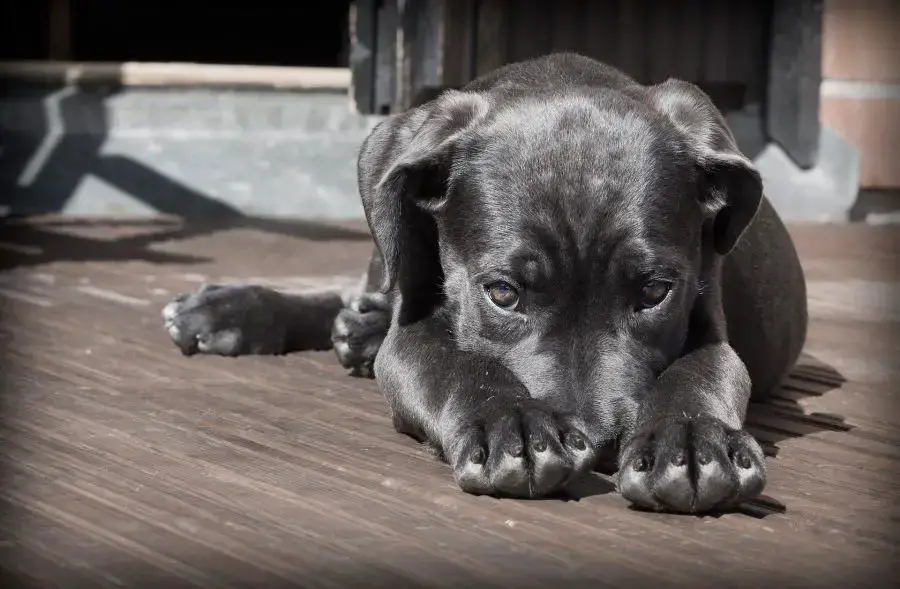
column 566, row 261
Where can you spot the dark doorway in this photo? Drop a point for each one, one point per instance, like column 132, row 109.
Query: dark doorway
column 261, row 32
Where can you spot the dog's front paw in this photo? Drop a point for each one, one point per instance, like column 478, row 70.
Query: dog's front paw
column 227, row 320
column 358, row 331
column 519, row 448
column 691, row 466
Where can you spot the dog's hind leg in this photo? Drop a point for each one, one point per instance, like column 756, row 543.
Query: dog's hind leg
column 242, row 319
column 360, row 327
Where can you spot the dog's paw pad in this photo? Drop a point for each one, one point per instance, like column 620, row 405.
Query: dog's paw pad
column 225, row 320
column 691, row 466
column 358, row 331
column 518, row 449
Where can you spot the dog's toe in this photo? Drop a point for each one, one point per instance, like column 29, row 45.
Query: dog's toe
column 469, row 456
column 170, row 311
column 358, row 331
column 216, row 319
column 691, row 466
column 178, row 325
column 226, row 342
column 519, row 449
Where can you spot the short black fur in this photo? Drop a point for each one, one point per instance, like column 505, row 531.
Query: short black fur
column 576, row 188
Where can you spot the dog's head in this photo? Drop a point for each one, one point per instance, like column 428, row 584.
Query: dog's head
column 569, row 236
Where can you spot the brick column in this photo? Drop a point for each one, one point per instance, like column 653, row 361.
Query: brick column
column 860, row 93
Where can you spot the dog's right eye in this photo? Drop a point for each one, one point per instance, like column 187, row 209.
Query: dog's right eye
column 502, row 294
column 653, row 293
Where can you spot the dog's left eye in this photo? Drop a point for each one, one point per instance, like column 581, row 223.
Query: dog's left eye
column 653, row 293
column 502, row 294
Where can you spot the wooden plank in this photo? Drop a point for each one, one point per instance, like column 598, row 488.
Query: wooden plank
column 493, row 35
column 688, row 21
column 363, row 30
column 386, row 84
column 459, row 42
column 568, row 25
column 422, row 57
column 664, row 39
column 123, row 459
column 601, row 31
column 634, row 42
column 752, row 57
column 530, row 28
column 419, row 52
column 716, row 22
column 795, row 65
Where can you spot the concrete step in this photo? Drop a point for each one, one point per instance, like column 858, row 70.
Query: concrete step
column 191, row 152
column 202, row 153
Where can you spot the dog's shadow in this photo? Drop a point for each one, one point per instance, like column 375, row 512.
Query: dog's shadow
column 779, row 418
column 782, row 417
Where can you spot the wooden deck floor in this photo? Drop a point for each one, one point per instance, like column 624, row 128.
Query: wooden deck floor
column 126, row 464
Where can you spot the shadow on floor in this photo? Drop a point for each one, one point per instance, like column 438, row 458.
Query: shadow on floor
column 30, row 245
column 781, row 417
column 884, row 203
column 54, row 136
column 44, row 161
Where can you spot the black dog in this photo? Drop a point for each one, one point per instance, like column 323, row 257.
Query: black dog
column 566, row 259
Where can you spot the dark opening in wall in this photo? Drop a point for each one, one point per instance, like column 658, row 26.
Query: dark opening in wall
column 23, row 30
column 258, row 32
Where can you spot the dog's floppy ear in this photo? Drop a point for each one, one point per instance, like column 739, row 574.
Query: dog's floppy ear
column 404, row 167
column 731, row 188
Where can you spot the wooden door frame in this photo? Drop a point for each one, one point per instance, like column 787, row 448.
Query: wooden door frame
column 405, row 51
